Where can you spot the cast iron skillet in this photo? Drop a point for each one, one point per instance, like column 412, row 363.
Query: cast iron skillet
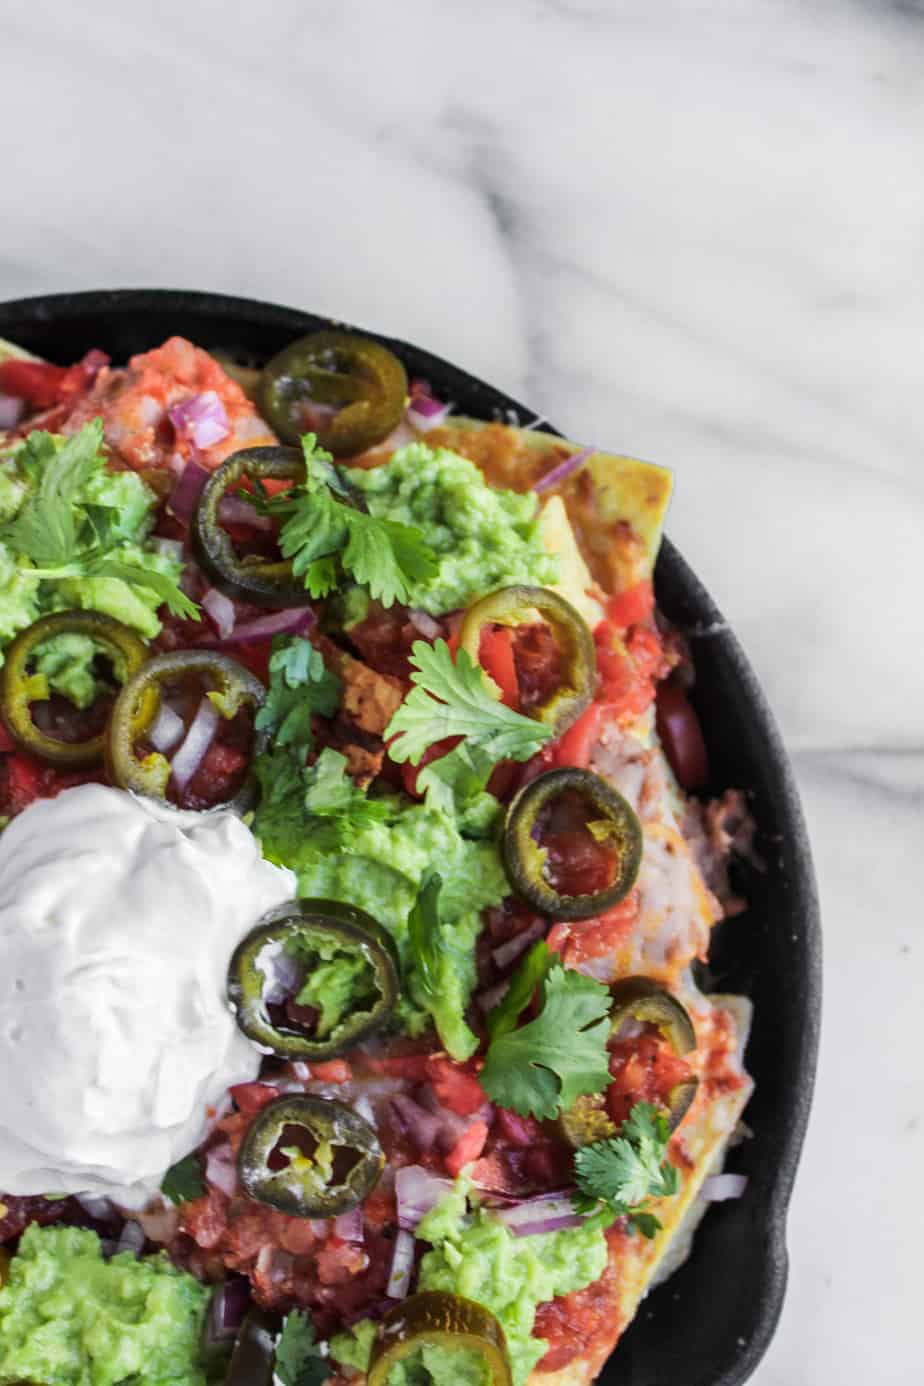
column 710, row 1323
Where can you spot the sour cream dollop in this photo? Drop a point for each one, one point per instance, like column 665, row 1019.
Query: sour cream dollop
column 118, row 917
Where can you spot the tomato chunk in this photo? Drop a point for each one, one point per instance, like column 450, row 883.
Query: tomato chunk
column 495, row 655
column 467, row 1148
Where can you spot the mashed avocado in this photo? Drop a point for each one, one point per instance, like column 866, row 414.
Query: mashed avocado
column 475, row 1256
column 338, row 984
column 70, row 1318
column 116, row 510
column 379, row 864
column 483, row 538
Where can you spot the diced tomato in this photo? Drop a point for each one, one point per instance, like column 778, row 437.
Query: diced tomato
column 644, row 1069
column 629, row 669
column 456, row 1088
column 219, row 774
column 37, row 382
column 504, row 777
column 333, row 1071
column 495, row 655
column 413, row 1067
column 599, row 937
column 251, row 1098
column 256, row 658
column 632, row 606
column 681, row 736
column 517, row 1130
column 6, row 741
column 578, row 742
column 467, row 1148
column 576, row 863
column 27, row 779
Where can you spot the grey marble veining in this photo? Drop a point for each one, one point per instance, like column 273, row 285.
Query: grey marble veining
column 694, row 232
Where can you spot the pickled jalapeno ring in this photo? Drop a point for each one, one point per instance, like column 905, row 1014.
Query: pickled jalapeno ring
column 311, row 1157
column 641, row 999
column 614, row 823
column 318, row 939
column 138, row 704
column 262, row 581
column 435, row 1318
column 19, row 688
column 347, row 389
column 513, row 606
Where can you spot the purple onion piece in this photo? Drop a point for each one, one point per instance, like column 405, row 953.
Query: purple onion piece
column 11, row 410
column 719, row 1187
column 187, row 491
column 417, row 1192
column 508, row 952
column 563, row 470
column 202, row 419
column 296, row 620
column 198, row 739
column 402, row 1266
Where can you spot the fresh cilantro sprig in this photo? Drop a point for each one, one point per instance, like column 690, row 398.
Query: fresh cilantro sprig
column 324, row 535
column 299, row 1361
column 300, row 686
column 623, row 1172
column 317, row 806
column 63, row 536
column 542, row 1068
column 454, row 698
column 184, row 1181
column 531, row 974
column 424, row 934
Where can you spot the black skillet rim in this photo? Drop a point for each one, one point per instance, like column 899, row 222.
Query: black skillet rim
column 711, row 1323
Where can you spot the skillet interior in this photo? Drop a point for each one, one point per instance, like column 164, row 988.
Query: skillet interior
column 710, row 1323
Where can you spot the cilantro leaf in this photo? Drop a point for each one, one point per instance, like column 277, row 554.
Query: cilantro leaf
column 541, row 1069
column 624, row 1171
column 46, row 528
column 300, row 686
column 454, row 698
column 319, row 803
column 424, row 933
column 321, row 529
column 456, row 784
column 184, row 1181
column 298, row 1360
column 531, row 973
column 170, row 593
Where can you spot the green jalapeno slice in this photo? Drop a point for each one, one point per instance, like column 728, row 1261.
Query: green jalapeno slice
column 514, row 606
column 640, row 998
column 348, row 390
column 262, row 581
column 334, row 968
column 587, row 1121
column 20, row 688
column 435, row 1318
column 138, row 704
column 311, row 1157
column 614, row 823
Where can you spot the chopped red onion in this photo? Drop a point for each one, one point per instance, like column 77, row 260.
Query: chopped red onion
column 547, row 1213
column 294, row 620
column 402, row 1266
column 187, row 491
column 167, row 730
column 508, row 952
column 227, row 1308
column 349, row 1226
column 719, row 1187
column 198, row 739
column 202, row 419
column 417, row 1192
column 234, row 510
column 11, row 411
column 221, row 611
column 423, row 1128
column 282, row 974
column 132, row 1238
column 425, row 411
column 95, row 1206
column 563, row 469
column 221, row 1168
column 424, row 622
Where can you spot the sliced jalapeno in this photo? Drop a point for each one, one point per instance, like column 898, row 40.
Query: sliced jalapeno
column 310, row 1156
column 525, row 860
column 639, row 998
column 253, row 1360
column 435, row 1318
column 513, row 606
column 19, row 688
column 587, row 1121
column 348, row 390
column 138, row 704
column 313, row 978
column 264, row 582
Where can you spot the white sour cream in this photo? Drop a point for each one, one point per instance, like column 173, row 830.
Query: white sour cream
column 118, row 918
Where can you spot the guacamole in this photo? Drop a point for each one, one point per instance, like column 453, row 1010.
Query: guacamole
column 482, row 538
column 70, row 1318
column 476, row 1257
column 116, row 513
column 378, row 863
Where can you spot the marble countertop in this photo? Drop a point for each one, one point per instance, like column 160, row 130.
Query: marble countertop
column 688, row 231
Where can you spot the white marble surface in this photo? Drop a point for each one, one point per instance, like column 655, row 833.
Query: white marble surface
column 693, row 231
